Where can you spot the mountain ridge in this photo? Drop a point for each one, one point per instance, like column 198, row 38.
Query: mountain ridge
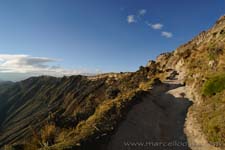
column 70, row 112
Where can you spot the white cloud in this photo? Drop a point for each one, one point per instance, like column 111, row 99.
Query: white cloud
column 142, row 12
column 167, row 34
column 137, row 16
column 156, row 26
column 26, row 64
column 131, row 19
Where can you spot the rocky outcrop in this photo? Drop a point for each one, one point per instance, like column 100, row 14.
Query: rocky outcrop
column 221, row 20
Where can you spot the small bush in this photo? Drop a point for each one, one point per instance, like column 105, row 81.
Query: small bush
column 48, row 134
column 214, row 85
column 112, row 92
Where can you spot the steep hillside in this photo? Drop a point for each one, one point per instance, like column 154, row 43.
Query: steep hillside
column 4, row 85
column 63, row 112
column 201, row 64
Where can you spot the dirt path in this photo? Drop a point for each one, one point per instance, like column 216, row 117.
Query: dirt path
column 157, row 123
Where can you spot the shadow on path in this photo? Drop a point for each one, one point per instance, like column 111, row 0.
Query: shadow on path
column 157, row 123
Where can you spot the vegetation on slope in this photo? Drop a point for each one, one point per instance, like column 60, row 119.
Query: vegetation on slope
column 97, row 128
column 214, row 85
column 71, row 111
column 207, row 76
column 212, row 118
column 202, row 62
column 212, row 110
column 211, row 85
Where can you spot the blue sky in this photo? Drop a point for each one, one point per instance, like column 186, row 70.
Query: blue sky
column 89, row 35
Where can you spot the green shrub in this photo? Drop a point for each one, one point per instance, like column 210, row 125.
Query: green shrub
column 214, row 84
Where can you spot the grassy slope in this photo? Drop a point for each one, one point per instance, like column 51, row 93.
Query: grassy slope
column 208, row 81
column 211, row 85
column 71, row 110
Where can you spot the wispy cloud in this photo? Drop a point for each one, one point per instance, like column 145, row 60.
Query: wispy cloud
column 27, row 64
column 156, row 26
column 167, row 34
column 142, row 12
column 137, row 16
column 131, row 19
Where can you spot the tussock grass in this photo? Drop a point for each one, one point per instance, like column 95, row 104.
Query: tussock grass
column 214, row 85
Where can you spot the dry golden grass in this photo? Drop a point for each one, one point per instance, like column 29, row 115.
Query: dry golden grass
column 48, row 134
